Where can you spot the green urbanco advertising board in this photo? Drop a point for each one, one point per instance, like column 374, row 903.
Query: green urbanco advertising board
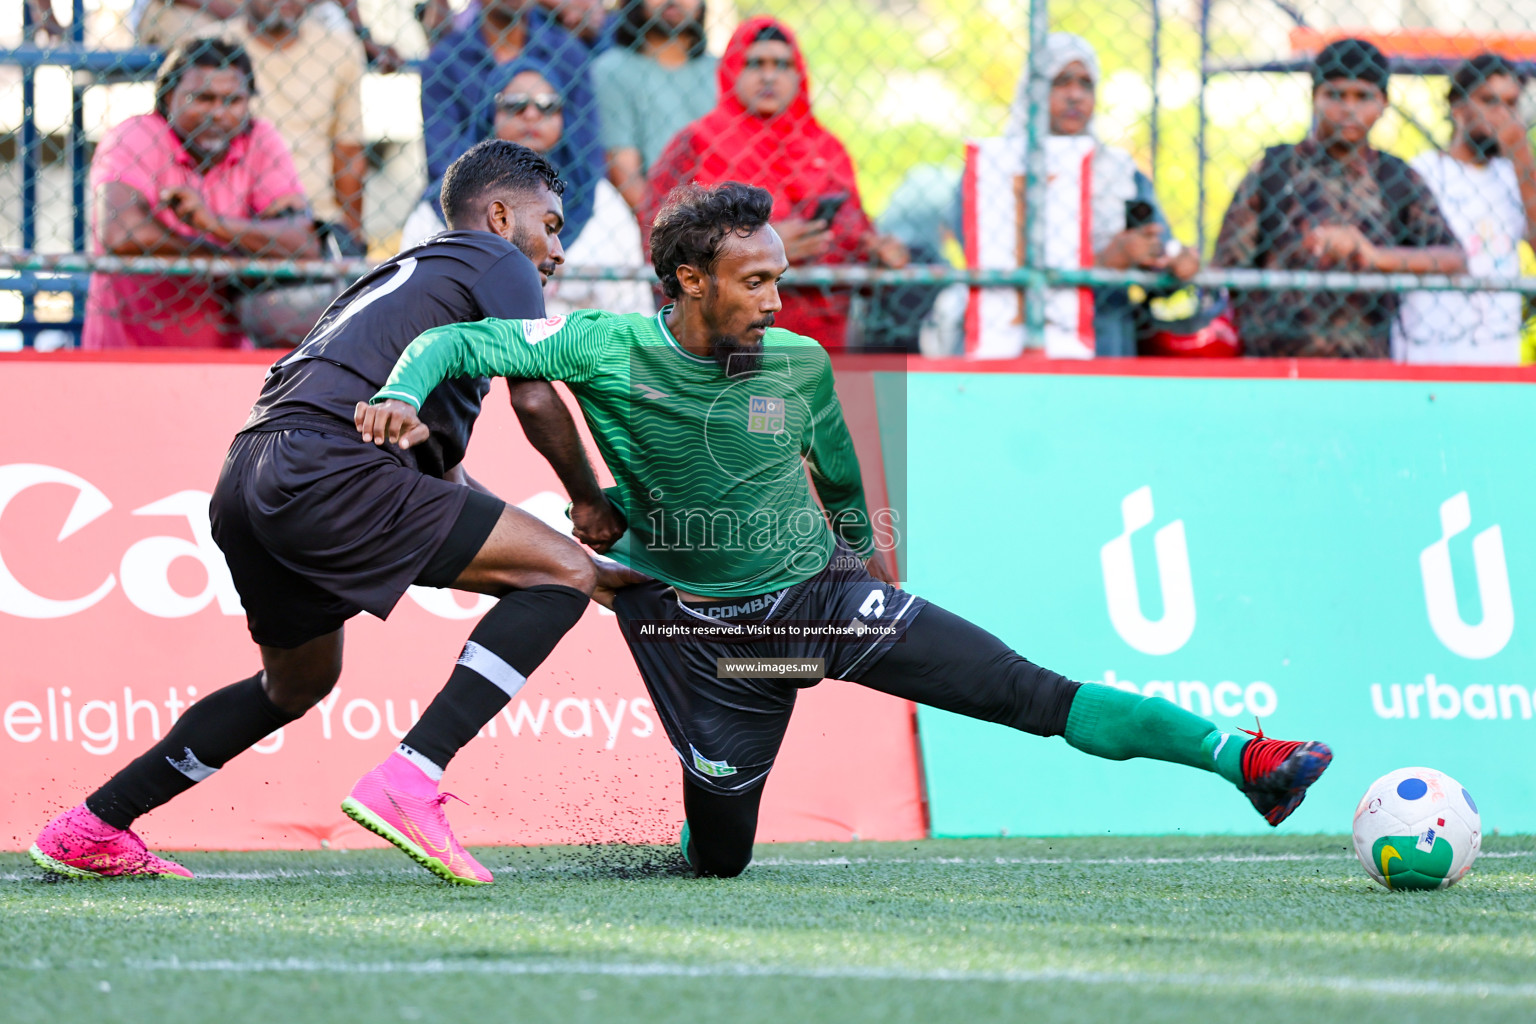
column 1345, row 560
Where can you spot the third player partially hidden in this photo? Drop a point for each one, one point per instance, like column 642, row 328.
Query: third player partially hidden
column 707, row 416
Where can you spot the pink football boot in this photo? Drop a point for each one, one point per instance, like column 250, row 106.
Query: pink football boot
column 77, row 844
column 400, row 803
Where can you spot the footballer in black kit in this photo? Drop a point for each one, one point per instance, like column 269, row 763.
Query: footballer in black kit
column 317, row 525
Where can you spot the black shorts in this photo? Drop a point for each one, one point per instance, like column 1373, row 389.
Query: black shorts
column 728, row 731
column 317, row 527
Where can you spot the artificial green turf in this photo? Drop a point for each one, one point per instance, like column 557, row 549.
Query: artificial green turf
column 1178, row 929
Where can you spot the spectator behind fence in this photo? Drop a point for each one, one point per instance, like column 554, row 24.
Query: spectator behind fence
column 309, row 85
column 198, row 177
column 653, row 82
column 587, row 20
column 44, row 20
column 1486, row 187
column 528, row 112
column 1101, row 212
column 165, row 23
column 1331, row 202
column 762, row 132
column 459, row 83
column 925, row 211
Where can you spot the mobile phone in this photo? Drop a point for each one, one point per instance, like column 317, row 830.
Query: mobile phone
column 828, row 205
column 1138, row 214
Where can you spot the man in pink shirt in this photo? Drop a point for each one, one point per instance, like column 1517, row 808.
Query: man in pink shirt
column 198, row 177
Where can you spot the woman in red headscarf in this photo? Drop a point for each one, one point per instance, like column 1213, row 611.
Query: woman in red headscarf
column 762, row 132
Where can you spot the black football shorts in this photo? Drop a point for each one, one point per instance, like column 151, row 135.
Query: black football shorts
column 317, row 527
column 723, row 708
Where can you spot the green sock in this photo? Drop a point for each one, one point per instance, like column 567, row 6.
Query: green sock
column 1114, row 724
column 1227, row 752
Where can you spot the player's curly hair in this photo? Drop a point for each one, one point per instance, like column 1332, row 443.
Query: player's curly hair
column 215, row 53
column 694, row 222
column 495, row 164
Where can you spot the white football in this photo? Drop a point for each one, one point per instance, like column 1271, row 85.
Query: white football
column 1417, row 828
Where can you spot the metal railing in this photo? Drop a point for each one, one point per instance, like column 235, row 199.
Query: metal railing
column 39, row 265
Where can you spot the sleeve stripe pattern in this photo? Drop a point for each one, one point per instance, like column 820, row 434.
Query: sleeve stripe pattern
column 567, row 349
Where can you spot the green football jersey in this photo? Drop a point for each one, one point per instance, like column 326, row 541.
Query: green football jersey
column 710, row 469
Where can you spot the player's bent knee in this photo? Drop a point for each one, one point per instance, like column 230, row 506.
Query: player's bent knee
column 577, row 572
column 296, row 679
column 559, row 565
column 296, row 695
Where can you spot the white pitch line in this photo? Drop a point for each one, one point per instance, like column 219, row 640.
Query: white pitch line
column 577, row 867
column 281, row 874
column 1290, row 984
column 1258, row 858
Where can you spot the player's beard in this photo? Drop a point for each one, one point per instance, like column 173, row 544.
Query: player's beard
column 1484, row 147
column 525, row 241
column 735, row 358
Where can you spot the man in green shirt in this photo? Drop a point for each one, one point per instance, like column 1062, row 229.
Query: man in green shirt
column 708, row 417
column 652, row 83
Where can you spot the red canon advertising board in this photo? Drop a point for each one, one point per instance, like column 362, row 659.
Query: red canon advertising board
column 116, row 612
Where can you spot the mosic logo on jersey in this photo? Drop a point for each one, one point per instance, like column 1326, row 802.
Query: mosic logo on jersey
column 1174, row 629
column 765, row 415
column 535, row 331
column 1489, row 636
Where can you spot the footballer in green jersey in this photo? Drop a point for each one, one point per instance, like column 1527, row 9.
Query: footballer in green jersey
column 710, row 467
column 708, row 418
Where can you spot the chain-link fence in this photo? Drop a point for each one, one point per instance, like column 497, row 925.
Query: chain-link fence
column 1207, row 177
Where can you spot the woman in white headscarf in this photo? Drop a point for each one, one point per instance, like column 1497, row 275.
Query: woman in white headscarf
column 1073, row 68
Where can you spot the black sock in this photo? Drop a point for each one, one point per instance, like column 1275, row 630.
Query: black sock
column 202, row 741
column 510, row 642
column 721, row 828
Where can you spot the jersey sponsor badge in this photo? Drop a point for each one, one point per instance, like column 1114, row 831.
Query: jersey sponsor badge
column 535, row 331
column 765, row 415
column 718, row 769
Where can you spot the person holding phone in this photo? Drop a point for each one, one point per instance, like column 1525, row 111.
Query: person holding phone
column 1485, row 185
column 1146, row 244
column 1127, row 230
column 762, row 132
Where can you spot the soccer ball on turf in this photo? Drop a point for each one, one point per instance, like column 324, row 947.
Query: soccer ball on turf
column 1417, row 828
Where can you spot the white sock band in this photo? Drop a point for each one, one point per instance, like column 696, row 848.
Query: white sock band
column 488, row 664
column 429, row 768
column 190, row 766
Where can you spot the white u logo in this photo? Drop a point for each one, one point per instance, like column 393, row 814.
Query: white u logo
column 1488, row 637
column 1174, row 629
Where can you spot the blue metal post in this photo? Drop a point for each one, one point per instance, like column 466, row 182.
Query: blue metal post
column 77, row 163
column 1034, row 175
column 1157, row 65
column 30, row 167
column 1200, row 156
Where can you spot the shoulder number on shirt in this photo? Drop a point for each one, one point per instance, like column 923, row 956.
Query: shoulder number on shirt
column 403, row 271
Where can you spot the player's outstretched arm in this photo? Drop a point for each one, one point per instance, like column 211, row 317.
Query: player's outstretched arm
column 558, row 348
column 390, row 421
